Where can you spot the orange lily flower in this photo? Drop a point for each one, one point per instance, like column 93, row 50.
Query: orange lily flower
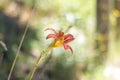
column 60, row 39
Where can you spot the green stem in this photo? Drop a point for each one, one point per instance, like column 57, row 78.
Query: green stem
column 37, row 63
column 35, row 67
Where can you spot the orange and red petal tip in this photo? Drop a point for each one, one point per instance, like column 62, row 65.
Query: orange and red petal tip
column 66, row 47
column 69, row 40
column 68, row 36
column 51, row 30
column 51, row 36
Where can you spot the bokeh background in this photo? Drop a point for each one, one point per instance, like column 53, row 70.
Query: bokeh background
column 94, row 23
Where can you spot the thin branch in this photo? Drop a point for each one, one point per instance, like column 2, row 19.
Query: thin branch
column 3, row 45
column 5, row 49
column 21, row 42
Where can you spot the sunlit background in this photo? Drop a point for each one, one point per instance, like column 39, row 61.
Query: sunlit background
column 95, row 24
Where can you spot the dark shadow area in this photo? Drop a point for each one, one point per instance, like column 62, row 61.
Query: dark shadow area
column 11, row 33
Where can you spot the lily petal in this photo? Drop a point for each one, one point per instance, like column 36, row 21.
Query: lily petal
column 69, row 40
column 60, row 34
column 66, row 47
column 68, row 36
column 51, row 36
column 51, row 30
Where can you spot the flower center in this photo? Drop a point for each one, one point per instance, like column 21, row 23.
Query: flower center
column 58, row 41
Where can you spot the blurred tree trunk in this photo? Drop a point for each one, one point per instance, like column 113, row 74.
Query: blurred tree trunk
column 103, row 8
column 117, row 12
